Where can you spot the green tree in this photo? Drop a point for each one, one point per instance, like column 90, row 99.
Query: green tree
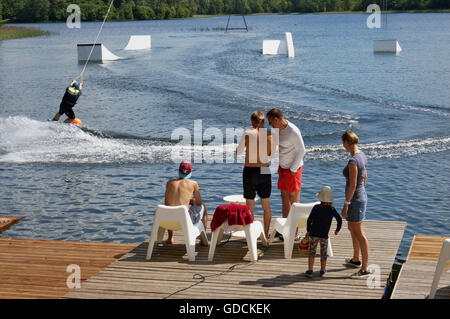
column 347, row 5
column 171, row 13
column 126, row 10
column 55, row 10
column 160, row 12
column 338, row 5
column 11, row 8
column 34, row 11
column 439, row 4
column 58, row 10
column 257, row 6
column 203, row 6
column 143, row 12
column 242, row 7
column 216, row 7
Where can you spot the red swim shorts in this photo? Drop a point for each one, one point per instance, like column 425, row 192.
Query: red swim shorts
column 289, row 182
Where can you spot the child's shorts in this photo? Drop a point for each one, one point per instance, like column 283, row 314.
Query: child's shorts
column 323, row 247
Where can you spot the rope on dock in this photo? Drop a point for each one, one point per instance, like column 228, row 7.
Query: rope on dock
column 202, row 278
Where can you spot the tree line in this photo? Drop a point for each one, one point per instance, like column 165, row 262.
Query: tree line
column 94, row 10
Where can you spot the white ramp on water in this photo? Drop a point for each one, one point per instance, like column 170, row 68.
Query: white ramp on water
column 386, row 46
column 99, row 54
column 139, row 42
column 275, row 47
column 289, row 44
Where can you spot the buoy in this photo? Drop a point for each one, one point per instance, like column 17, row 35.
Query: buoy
column 77, row 122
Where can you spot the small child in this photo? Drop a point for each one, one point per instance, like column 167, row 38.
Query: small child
column 318, row 227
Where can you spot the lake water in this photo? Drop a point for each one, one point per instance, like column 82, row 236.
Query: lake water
column 104, row 184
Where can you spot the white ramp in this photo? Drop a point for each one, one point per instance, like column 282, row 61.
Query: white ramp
column 275, row 47
column 139, row 42
column 386, row 46
column 99, row 54
column 289, row 45
column 108, row 55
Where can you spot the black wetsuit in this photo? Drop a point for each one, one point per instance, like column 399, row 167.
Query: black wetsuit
column 68, row 102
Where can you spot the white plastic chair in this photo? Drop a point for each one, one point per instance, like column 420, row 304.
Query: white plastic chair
column 176, row 218
column 441, row 266
column 298, row 216
column 252, row 232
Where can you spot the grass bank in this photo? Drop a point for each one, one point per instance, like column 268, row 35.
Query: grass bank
column 8, row 32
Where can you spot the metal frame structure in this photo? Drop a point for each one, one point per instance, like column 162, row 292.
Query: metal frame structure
column 228, row 23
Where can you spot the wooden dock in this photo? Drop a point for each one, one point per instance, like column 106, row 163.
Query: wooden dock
column 7, row 221
column 232, row 275
column 31, row 268
column 416, row 276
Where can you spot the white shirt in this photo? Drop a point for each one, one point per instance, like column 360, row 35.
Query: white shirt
column 291, row 148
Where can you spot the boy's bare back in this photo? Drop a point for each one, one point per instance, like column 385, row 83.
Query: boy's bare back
column 180, row 191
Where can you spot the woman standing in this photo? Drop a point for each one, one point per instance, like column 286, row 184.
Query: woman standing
column 354, row 209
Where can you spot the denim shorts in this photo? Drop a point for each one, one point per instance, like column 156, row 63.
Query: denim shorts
column 357, row 208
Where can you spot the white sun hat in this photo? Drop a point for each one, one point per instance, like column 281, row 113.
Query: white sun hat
column 325, row 194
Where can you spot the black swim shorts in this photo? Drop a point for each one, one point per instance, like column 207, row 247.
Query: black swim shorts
column 255, row 182
column 65, row 108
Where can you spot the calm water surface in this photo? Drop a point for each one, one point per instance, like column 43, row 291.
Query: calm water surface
column 103, row 184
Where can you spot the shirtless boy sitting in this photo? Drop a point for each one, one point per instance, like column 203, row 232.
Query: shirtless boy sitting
column 179, row 192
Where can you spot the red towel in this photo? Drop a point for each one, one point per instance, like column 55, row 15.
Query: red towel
column 236, row 214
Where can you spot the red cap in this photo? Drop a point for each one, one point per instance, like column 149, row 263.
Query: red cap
column 185, row 168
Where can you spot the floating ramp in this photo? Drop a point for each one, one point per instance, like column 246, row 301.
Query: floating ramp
column 275, row 47
column 139, row 42
column 386, row 46
column 99, row 54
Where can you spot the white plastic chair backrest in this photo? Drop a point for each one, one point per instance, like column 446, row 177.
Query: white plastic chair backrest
column 171, row 217
column 299, row 213
column 445, row 253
